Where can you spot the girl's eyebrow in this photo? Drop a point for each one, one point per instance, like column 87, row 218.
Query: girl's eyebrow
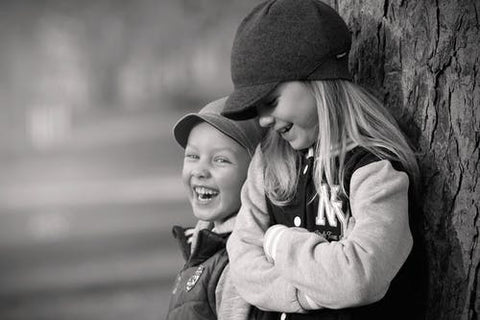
column 272, row 95
column 268, row 100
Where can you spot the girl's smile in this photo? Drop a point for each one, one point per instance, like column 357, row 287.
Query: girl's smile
column 292, row 113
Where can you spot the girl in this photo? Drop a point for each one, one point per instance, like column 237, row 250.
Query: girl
column 323, row 232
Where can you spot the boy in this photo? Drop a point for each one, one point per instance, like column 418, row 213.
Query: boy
column 217, row 156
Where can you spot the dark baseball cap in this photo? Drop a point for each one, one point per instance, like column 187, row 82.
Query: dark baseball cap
column 285, row 40
column 247, row 133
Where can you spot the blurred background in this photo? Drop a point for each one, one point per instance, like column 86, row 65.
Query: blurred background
column 89, row 172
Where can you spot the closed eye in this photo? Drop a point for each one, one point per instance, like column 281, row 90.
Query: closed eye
column 271, row 102
column 267, row 106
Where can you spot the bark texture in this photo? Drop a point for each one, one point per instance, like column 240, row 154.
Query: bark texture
column 422, row 58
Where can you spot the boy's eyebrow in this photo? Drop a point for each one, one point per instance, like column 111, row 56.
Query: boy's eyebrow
column 231, row 149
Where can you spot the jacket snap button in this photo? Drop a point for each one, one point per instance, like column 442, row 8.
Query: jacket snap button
column 297, row 221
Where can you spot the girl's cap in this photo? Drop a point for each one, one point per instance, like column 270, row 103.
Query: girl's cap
column 247, row 133
column 285, row 40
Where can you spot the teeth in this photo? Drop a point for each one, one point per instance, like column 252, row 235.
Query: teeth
column 205, row 194
column 203, row 190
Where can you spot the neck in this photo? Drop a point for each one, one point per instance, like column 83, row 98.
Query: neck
column 224, row 226
column 335, row 150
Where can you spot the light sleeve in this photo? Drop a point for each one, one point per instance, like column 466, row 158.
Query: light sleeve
column 229, row 304
column 358, row 269
column 254, row 276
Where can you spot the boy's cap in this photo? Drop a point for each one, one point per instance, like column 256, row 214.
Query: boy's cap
column 247, row 133
column 285, row 40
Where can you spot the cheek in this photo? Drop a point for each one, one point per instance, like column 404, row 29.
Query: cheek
column 186, row 176
column 232, row 185
column 310, row 126
column 312, row 130
column 309, row 111
column 311, row 118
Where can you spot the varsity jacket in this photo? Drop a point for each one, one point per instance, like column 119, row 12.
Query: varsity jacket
column 324, row 253
column 203, row 289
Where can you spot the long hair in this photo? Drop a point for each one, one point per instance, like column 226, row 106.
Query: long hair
column 281, row 174
column 346, row 114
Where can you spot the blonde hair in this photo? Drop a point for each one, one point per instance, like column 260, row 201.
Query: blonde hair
column 346, row 113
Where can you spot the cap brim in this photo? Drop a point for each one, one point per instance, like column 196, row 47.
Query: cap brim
column 182, row 128
column 241, row 104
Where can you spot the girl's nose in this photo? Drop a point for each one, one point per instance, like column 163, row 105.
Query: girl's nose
column 266, row 120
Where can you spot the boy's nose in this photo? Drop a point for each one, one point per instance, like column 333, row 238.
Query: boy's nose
column 266, row 120
column 201, row 172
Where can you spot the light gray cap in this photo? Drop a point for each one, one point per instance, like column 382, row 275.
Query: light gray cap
column 247, row 133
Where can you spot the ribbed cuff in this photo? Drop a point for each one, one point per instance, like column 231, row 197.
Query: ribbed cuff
column 271, row 240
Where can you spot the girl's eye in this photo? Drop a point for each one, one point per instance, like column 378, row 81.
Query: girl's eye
column 271, row 102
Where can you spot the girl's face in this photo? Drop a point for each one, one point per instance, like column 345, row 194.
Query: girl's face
column 291, row 111
column 214, row 169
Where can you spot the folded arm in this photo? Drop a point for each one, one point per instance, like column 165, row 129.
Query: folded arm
column 256, row 278
column 358, row 269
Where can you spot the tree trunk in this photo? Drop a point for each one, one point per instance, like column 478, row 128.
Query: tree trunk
column 422, row 59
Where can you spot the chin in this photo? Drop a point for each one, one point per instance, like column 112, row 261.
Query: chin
column 203, row 217
column 301, row 145
column 297, row 147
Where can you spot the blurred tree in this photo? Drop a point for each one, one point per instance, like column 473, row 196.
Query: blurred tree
column 107, row 54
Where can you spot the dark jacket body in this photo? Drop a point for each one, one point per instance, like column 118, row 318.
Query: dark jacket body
column 193, row 295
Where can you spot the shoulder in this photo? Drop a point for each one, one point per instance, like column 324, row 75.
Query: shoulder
column 377, row 182
column 256, row 170
column 257, row 159
column 361, row 158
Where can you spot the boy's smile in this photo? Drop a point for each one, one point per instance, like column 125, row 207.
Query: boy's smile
column 205, row 194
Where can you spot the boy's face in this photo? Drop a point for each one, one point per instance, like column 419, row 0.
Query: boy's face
column 214, row 169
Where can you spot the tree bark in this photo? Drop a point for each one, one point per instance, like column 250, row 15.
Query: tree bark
column 421, row 58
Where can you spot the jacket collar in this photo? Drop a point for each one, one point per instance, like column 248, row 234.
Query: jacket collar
column 310, row 152
column 207, row 239
column 208, row 243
